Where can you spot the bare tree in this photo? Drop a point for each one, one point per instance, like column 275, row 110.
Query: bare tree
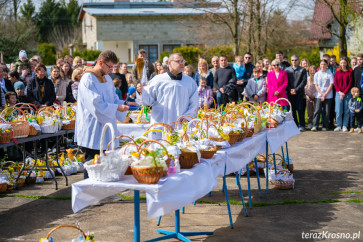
column 63, row 35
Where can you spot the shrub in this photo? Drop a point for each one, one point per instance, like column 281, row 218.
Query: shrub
column 189, row 53
column 47, row 52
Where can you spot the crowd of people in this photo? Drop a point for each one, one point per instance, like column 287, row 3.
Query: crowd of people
column 330, row 93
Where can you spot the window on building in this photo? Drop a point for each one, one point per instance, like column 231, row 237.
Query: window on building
column 151, row 52
column 170, row 48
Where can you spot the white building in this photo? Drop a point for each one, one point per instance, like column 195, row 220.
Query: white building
column 125, row 27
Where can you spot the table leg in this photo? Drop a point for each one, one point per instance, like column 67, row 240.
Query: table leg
column 266, row 168
column 241, row 193
column 47, row 165
column 249, row 186
column 227, row 200
column 159, row 220
column 258, row 179
column 274, row 162
column 136, row 215
column 288, row 158
column 176, row 234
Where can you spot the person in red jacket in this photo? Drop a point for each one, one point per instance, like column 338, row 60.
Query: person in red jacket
column 343, row 82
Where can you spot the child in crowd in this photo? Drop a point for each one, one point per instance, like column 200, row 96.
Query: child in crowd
column 22, row 63
column 19, row 89
column 324, row 82
column 256, row 87
column 129, row 80
column 239, row 67
column 10, row 98
column 355, row 107
column 131, row 95
column 310, row 91
column 117, row 83
column 205, row 93
column 163, row 68
column 188, row 70
column 76, row 78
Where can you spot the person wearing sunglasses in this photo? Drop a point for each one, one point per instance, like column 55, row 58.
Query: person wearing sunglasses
column 277, row 84
column 297, row 77
column 172, row 94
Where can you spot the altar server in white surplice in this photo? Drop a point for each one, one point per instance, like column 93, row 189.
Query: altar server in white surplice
column 172, row 94
column 97, row 104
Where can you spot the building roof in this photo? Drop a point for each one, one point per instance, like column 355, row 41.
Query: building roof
column 321, row 19
column 148, row 9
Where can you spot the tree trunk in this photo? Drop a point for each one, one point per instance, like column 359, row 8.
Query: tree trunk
column 236, row 22
column 250, row 27
column 343, row 5
column 15, row 9
column 259, row 29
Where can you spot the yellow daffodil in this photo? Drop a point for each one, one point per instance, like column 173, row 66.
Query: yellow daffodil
column 40, row 120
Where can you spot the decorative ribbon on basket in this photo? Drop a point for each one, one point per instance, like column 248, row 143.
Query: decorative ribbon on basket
column 112, row 166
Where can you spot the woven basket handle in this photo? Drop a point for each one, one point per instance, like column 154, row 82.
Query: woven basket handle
column 166, row 126
column 178, row 120
column 107, row 125
column 128, row 144
column 284, row 100
column 108, row 146
column 65, row 226
column 153, row 141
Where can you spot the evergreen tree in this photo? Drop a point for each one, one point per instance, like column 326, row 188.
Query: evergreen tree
column 27, row 10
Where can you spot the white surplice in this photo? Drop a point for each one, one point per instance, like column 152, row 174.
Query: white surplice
column 96, row 105
column 171, row 98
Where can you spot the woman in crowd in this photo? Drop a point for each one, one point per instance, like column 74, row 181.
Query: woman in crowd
column 276, row 84
column 188, row 71
column 157, row 65
column 324, row 81
column 204, row 72
column 40, row 89
column 66, row 72
column 343, row 82
column 139, row 88
column 60, row 86
column 77, row 62
column 306, row 64
column 310, row 91
column 73, row 85
column 13, row 76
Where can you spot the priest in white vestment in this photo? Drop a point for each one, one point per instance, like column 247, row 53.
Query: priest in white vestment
column 172, row 94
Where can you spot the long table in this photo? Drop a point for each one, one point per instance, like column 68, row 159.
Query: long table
column 33, row 139
column 176, row 191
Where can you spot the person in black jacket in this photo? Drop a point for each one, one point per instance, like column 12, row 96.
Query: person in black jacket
column 225, row 81
column 297, row 78
column 117, row 75
column 283, row 64
column 40, row 90
column 357, row 74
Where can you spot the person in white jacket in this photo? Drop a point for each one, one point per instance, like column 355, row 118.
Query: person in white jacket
column 172, row 94
column 97, row 104
column 256, row 87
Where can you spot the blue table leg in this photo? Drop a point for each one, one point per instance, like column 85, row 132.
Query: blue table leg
column 227, row 200
column 266, row 168
column 176, row 234
column 258, row 179
column 288, row 158
column 274, row 163
column 210, row 194
column 282, row 151
column 159, row 220
column 241, row 193
column 136, row 216
column 249, row 186
column 183, row 208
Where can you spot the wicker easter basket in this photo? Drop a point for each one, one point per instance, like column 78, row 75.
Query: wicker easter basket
column 5, row 137
column 188, row 159
column 49, row 128
column 250, row 132
column 65, row 226
column 3, row 187
column 149, row 142
column 111, row 168
column 288, row 115
column 283, row 185
column 20, row 182
column 147, row 175
column 21, row 126
column 207, row 154
column 70, row 126
column 258, row 126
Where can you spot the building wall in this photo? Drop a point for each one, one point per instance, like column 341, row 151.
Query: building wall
column 89, row 31
column 132, row 31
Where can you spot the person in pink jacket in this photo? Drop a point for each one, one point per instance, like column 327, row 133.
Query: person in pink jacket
column 276, row 84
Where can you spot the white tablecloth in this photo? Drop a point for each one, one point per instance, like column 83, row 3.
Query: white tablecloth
column 278, row 136
column 243, row 152
column 134, row 130
column 170, row 193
